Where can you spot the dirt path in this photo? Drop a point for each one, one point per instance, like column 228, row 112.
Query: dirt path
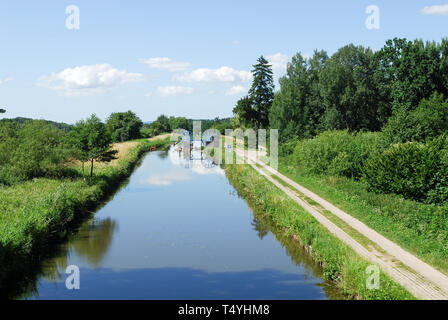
column 160, row 137
column 419, row 278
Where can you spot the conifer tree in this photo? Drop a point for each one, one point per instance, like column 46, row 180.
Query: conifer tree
column 262, row 92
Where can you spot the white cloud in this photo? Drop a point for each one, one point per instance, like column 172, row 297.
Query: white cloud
column 220, row 75
column 235, row 90
column 436, row 10
column 279, row 62
column 174, row 91
column 3, row 81
column 87, row 80
column 165, row 64
column 167, row 178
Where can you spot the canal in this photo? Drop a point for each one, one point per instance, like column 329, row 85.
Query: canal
column 179, row 230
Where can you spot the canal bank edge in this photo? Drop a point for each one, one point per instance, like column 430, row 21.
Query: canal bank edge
column 62, row 206
column 339, row 262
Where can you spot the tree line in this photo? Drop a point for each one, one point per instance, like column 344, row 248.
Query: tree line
column 355, row 89
column 38, row 148
column 165, row 124
column 377, row 116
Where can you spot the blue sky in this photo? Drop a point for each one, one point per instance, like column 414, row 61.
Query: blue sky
column 187, row 58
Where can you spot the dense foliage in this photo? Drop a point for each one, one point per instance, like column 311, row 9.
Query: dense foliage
column 429, row 120
column 29, row 150
column 124, row 126
column 357, row 89
column 415, row 170
column 37, row 148
column 337, row 153
column 20, row 120
column 377, row 117
column 91, row 141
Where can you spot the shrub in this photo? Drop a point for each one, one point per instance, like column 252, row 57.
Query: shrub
column 428, row 121
column 287, row 148
column 337, row 153
column 29, row 150
column 124, row 126
column 39, row 151
column 414, row 170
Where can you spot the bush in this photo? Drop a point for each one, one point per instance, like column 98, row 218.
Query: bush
column 337, row 153
column 428, row 121
column 34, row 149
column 287, row 148
column 124, row 126
column 414, row 170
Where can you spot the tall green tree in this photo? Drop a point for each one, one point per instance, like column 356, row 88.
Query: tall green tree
column 161, row 125
column 253, row 109
column 414, row 70
column 261, row 92
column 297, row 106
column 78, row 139
column 124, row 126
column 244, row 112
column 348, row 90
column 428, row 121
column 92, row 141
column 178, row 123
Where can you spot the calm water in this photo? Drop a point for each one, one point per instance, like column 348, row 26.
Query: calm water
column 179, row 230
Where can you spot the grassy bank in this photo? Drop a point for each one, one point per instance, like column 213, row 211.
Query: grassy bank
column 36, row 213
column 421, row 229
column 339, row 262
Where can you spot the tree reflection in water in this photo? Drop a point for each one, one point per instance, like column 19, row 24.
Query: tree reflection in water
column 260, row 228
column 92, row 243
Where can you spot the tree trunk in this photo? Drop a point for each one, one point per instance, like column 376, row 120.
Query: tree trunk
column 83, row 168
column 91, row 168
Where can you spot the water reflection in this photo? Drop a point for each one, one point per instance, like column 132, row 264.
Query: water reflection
column 179, row 230
column 260, row 228
column 92, row 243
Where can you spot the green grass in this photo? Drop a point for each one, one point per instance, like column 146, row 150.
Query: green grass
column 36, row 213
column 421, row 229
column 339, row 262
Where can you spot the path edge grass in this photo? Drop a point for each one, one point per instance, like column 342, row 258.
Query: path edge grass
column 339, row 262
